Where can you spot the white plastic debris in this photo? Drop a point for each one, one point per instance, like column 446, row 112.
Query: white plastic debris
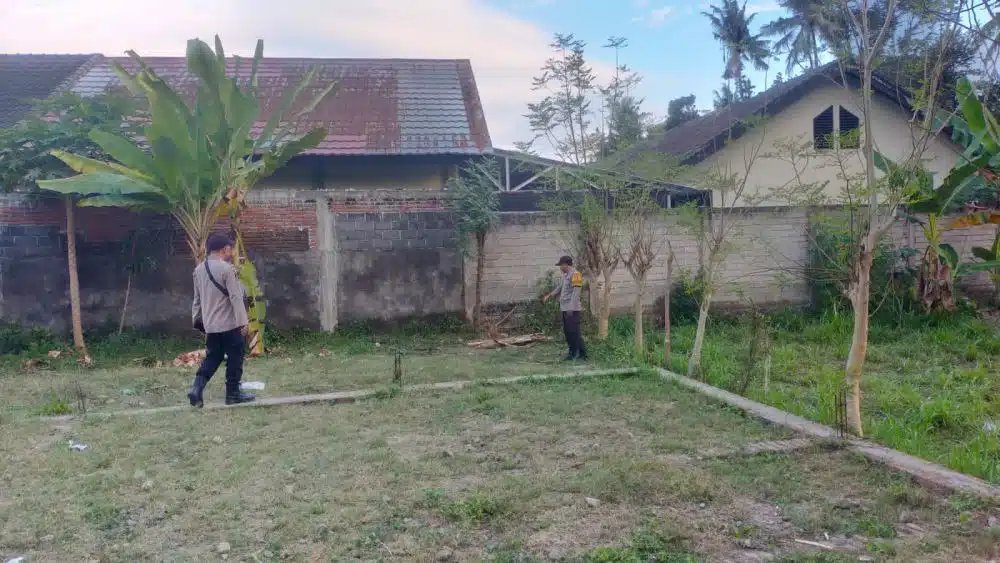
column 77, row 446
column 989, row 427
column 16, row 560
column 252, row 385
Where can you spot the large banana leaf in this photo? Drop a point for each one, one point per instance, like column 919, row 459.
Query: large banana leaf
column 110, row 186
column 194, row 155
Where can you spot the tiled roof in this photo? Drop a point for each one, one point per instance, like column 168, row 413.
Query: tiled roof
column 381, row 107
column 24, row 78
column 695, row 140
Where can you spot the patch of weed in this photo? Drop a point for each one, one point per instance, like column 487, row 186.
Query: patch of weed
column 55, row 406
column 476, row 508
column 646, row 545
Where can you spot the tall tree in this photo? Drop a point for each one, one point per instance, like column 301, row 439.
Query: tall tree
column 802, row 34
column 871, row 27
column 731, row 27
column 199, row 162
column 680, row 110
column 475, row 201
column 625, row 120
column 62, row 122
column 563, row 117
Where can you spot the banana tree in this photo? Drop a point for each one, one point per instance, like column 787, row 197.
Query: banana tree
column 990, row 262
column 198, row 161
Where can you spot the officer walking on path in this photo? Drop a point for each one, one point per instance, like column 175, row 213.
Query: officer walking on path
column 568, row 290
column 219, row 311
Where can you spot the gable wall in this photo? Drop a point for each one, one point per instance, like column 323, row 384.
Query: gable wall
column 771, row 170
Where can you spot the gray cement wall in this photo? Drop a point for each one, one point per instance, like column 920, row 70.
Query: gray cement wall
column 327, row 257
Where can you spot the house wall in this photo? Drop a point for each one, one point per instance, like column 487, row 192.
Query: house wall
column 772, row 170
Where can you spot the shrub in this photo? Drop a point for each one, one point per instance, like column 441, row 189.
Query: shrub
column 830, row 253
column 15, row 339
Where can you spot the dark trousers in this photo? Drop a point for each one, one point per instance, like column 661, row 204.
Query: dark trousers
column 224, row 345
column 574, row 340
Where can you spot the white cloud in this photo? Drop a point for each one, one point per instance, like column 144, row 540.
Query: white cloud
column 659, row 15
column 655, row 18
column 505, row 51
column 640, row 4
column 763, row 6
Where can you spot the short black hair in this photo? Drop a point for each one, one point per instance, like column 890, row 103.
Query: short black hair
column 217, row 242
column 567, row 260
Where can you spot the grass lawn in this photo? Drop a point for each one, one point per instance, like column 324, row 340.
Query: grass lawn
column 317, row 363
column 487, row 474
column 930, row 386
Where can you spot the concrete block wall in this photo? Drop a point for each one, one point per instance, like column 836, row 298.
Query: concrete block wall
column 393, row 255
column 765, row 261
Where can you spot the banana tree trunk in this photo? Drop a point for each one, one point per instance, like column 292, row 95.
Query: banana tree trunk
column 247, row 273
column 74, row 278
column 859, row 290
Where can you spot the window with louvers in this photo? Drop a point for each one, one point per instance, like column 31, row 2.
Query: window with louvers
column 850, row 130
column 823, row 129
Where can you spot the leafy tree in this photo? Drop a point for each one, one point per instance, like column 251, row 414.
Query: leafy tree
column 871, row 26
column 801, row 35
column 625, row 118
column 731, row 27
column 725, row 95
column 563, row 118
column 680, row 110
column 196, row 162
column 60, row 123
column 778, row 79
column 475, row 202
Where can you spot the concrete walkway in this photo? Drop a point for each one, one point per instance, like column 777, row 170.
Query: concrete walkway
column 352, row 396
column 924, row 471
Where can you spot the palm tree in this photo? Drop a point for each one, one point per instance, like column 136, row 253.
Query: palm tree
column 802, row 34
column 731, row 26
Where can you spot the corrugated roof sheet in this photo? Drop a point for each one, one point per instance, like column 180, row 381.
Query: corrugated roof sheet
column 381, row 107
column 24, row 78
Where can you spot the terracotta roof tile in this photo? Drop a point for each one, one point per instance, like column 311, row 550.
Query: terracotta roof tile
column 382, row 106
column 24, row 78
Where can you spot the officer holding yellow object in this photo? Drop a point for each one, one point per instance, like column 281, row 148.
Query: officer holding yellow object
column 568, row 290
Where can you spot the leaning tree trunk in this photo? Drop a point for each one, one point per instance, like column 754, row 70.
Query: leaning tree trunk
column 694, row 362
column 859, row 290
column 640, row 337
column 666, row 311
column 74, row 278
column 477, row 307
column 128, row 290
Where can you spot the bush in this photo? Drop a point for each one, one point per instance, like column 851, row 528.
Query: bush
column 15, row 339
column 543, row 317
column 830, row 254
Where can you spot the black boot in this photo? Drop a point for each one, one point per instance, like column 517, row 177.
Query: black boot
column 234, row 396
column 196, row 390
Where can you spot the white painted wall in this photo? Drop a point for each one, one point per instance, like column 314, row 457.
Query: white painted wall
column 893, row 136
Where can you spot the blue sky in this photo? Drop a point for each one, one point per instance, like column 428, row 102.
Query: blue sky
column 506, row 40
column 670, row 43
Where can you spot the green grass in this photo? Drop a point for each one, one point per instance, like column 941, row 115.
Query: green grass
column 404, row 478
column 930, row 384
column 136, row 371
